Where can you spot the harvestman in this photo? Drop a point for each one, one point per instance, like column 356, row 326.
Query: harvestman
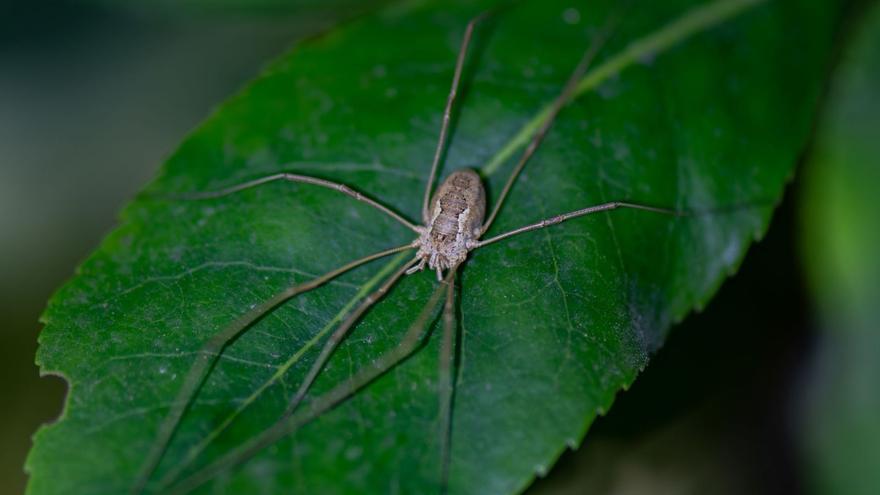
column 453, row 225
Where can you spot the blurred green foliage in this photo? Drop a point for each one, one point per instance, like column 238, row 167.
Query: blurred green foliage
column 841, row 224
column 304, row 8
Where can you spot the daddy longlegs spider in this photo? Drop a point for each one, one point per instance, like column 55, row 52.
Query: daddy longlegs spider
column 453, row 226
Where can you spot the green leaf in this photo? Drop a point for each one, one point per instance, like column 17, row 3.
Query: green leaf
column 841, row 427
column 701, row 107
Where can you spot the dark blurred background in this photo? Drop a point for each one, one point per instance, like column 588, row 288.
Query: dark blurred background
column 94, row 95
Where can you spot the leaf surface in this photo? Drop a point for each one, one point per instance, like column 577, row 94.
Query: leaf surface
column 699, row 107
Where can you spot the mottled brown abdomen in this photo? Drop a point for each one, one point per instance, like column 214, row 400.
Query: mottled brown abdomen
column 461, row 191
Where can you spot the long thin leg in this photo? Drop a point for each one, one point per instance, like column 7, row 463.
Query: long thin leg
column 558, row 103
column 320, row 405
column 306, row 180
column 337, row 336
column 210, row 352
column 574, row 214
column 447, row 113
column 446, row 386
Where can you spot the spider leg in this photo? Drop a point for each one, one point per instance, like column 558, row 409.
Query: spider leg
column 417, row 267
column 320, row 405
column 305, row 179
column 574, row 214
column 210, row 352
column 337, row 336
column 183, row 464
column 447, row 113
column 446, row 386
column 558, row 103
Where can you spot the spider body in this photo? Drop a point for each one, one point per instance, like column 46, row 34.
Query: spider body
column 454, row 225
